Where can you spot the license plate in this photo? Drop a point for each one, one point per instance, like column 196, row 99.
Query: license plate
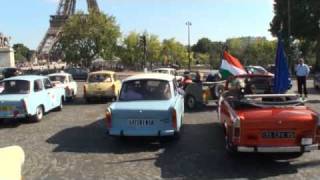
column 278, row 135
column 141, row 123
column 6, row 108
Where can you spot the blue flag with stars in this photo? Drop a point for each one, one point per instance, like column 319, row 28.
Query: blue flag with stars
column 281, row 76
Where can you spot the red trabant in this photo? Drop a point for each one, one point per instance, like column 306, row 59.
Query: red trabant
column 255, row 120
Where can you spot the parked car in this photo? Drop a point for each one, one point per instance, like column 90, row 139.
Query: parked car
column 65, row 81
column 101, row 84
column 149, row 105
column 78, row 73
column 7, row 72
column 29, row 97
column 257, row 70
column 256, row 121
column 170, row 71
column 316, row 81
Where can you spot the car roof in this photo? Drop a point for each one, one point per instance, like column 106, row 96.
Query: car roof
column 26, row 78
column 102, row 72
column 59, row 74
column 167, row 69
column 154, row 76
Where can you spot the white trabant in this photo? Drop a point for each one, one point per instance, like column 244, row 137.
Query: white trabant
column 66, row 81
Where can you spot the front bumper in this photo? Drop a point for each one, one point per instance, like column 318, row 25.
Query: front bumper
column 289, row 149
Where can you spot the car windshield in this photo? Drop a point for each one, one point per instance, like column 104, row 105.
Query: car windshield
column 138, row 90
column 99, row 78
column 57, row 78
column 15, row 87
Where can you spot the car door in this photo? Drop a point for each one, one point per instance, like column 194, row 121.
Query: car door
column 50, row 96
column 37, row 97
column 179, row 100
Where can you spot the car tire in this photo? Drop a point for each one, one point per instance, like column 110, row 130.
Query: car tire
column 217, row 91
column 88, row 100
column 60, row 107
column 231, row 149
column 190, row 102
column 39, row 114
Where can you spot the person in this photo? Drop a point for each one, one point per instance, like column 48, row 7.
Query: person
column 131, row 93
column 198, row 77
column 302, row 72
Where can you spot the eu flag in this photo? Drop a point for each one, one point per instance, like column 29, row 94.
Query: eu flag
column 281, row 77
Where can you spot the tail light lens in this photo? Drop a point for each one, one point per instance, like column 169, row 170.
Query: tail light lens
column 108, row 119
column 174, row 119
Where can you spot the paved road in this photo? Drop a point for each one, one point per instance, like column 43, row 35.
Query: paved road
column 72, row 145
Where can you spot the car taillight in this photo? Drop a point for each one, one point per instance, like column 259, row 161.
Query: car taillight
column 174, row 119
column 108, row 119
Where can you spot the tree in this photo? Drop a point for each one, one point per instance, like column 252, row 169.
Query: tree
column 86, row 37
column 305, row 22
column 21, row 52
column 173, row 52
column 204, row 45
column 131, row 52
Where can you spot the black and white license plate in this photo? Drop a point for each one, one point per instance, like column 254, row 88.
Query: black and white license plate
column 141, row 122
column 278, row 135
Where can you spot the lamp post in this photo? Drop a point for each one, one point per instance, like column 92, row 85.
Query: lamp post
column 188, row 23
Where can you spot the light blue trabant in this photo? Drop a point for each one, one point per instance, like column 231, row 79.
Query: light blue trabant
column 29, row 97
column 148, row 105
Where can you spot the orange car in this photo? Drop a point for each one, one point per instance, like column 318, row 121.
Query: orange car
column 256, row 121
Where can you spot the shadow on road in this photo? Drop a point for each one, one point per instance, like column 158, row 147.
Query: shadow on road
column 199, row 154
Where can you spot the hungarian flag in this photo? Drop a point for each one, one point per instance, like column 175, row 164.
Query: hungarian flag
column 230, row 66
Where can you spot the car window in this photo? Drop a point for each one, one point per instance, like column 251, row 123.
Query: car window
column 16, row 87
column 47, row 83
column 100, row 78
column 145, row 90
column 37, row 85
column 58, row 78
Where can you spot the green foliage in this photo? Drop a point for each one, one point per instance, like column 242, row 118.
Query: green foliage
column 305, row 24
column 173, row 52
column 86, row 37
column 22, row 53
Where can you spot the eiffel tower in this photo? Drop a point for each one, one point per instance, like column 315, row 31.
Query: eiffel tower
column 66, row 8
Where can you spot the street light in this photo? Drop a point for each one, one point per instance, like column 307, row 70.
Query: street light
column 188, row 23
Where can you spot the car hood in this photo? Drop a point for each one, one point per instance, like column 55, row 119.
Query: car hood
column 13, row 97
column 142, row 105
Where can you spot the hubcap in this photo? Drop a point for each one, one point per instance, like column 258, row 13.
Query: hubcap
column 39, row 113
column 191, row 102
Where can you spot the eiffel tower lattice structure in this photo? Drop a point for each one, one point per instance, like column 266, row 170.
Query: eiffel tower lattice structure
column 66, row 9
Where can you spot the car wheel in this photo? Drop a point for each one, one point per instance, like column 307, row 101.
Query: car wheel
column 315, row 86
column 218, row 90
column 88, row 100
column 190, row 102
column 59, row 108
column 39, row 114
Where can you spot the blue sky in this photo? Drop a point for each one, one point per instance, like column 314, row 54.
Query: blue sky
column 26, row 21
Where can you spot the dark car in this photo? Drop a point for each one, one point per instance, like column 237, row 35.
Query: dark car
column 78, row 73
column 9, row 72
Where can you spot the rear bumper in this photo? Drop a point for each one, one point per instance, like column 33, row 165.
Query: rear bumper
column 142, row 133
column 11, row 116
column 289, row 149
column 105, row 94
